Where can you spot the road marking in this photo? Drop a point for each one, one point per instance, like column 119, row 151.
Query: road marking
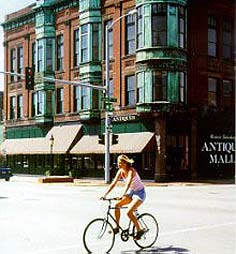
column 199, row 228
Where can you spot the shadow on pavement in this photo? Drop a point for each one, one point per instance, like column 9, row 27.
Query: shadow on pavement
column 3, row 197
column 155, row 250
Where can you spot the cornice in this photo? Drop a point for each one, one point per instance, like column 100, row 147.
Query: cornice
column 30, row 17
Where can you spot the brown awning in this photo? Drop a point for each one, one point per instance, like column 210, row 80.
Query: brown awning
column 64, row 137
column 127, row 143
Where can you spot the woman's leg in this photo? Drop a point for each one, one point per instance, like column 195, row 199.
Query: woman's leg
column 133, row 206
column 124, row 201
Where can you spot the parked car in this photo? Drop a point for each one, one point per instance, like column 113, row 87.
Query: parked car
column 5, row 173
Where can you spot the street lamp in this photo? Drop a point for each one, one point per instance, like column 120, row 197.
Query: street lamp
column 108, row 127
column 51, row 140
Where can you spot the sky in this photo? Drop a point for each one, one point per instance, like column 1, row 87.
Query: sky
column 6, row 7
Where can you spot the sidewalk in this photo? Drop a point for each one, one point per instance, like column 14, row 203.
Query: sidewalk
column 101, row 182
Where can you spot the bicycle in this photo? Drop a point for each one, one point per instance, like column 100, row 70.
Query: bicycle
column 101, row 229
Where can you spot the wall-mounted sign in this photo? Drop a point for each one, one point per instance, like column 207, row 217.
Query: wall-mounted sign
column 220, row 149
column 125, row 118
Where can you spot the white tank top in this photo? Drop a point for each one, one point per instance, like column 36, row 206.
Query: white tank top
column 136, row 183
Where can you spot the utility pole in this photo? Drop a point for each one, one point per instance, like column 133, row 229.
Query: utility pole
column 108, row 126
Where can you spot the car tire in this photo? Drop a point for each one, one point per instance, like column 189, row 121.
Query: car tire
column 7, row 179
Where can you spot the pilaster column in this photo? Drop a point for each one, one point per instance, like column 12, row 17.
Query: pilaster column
column 160, row 161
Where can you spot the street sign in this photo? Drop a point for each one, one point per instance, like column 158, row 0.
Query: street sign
column 38, row 77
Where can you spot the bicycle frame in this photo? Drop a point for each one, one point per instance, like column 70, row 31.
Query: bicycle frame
column 109, row 215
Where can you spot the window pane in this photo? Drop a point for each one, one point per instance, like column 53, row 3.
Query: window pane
column 76, row 47
column 130, row 35
column 212, row 87
column 84, row 43
column 60, row 52
column 130, row 90
column 159, row 86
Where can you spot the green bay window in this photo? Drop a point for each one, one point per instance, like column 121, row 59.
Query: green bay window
column 181, row 27
column 95, row 41
column 34, row 55
column 85, row 97
column 140, row 27
column 40, row 102
column 159, row 24
column 182, row 87
column 49, row 55
column 140, row 87
column 40, row 55
column 84, row 43
column 34, row 104
column 159, row 85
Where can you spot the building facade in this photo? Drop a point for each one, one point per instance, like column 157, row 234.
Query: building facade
column 172, row 74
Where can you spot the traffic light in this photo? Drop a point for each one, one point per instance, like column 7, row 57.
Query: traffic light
column 114, row 139
column 29, row 78
column 101, row 139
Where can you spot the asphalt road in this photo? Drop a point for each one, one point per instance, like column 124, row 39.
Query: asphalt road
column 50, row 218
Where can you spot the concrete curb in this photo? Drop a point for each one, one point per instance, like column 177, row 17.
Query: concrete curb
column 56, row 179
column 100, row 182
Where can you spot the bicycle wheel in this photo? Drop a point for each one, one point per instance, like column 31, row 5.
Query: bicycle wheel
column 98, row 235
column 149, row 224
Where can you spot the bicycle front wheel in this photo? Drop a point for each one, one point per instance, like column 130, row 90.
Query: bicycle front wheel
column 98, row 235
column 149, row 224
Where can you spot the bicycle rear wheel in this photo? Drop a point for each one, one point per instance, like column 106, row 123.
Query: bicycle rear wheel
column 149, row 224
column 98, row 235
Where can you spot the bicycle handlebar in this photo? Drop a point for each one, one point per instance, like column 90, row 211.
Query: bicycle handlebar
column 110, row 199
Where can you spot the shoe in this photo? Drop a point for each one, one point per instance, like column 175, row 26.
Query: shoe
column 139, row 234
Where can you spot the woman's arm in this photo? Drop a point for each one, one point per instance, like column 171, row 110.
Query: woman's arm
column 113, row 184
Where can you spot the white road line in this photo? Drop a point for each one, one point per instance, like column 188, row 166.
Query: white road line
column 198, row 228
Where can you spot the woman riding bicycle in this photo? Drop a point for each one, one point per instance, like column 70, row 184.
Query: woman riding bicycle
column 133, row 194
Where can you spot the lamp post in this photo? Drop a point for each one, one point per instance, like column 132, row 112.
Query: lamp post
column 108, row 126
column 51, row 140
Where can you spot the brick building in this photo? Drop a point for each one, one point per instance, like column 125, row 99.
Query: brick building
column 172, row 73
